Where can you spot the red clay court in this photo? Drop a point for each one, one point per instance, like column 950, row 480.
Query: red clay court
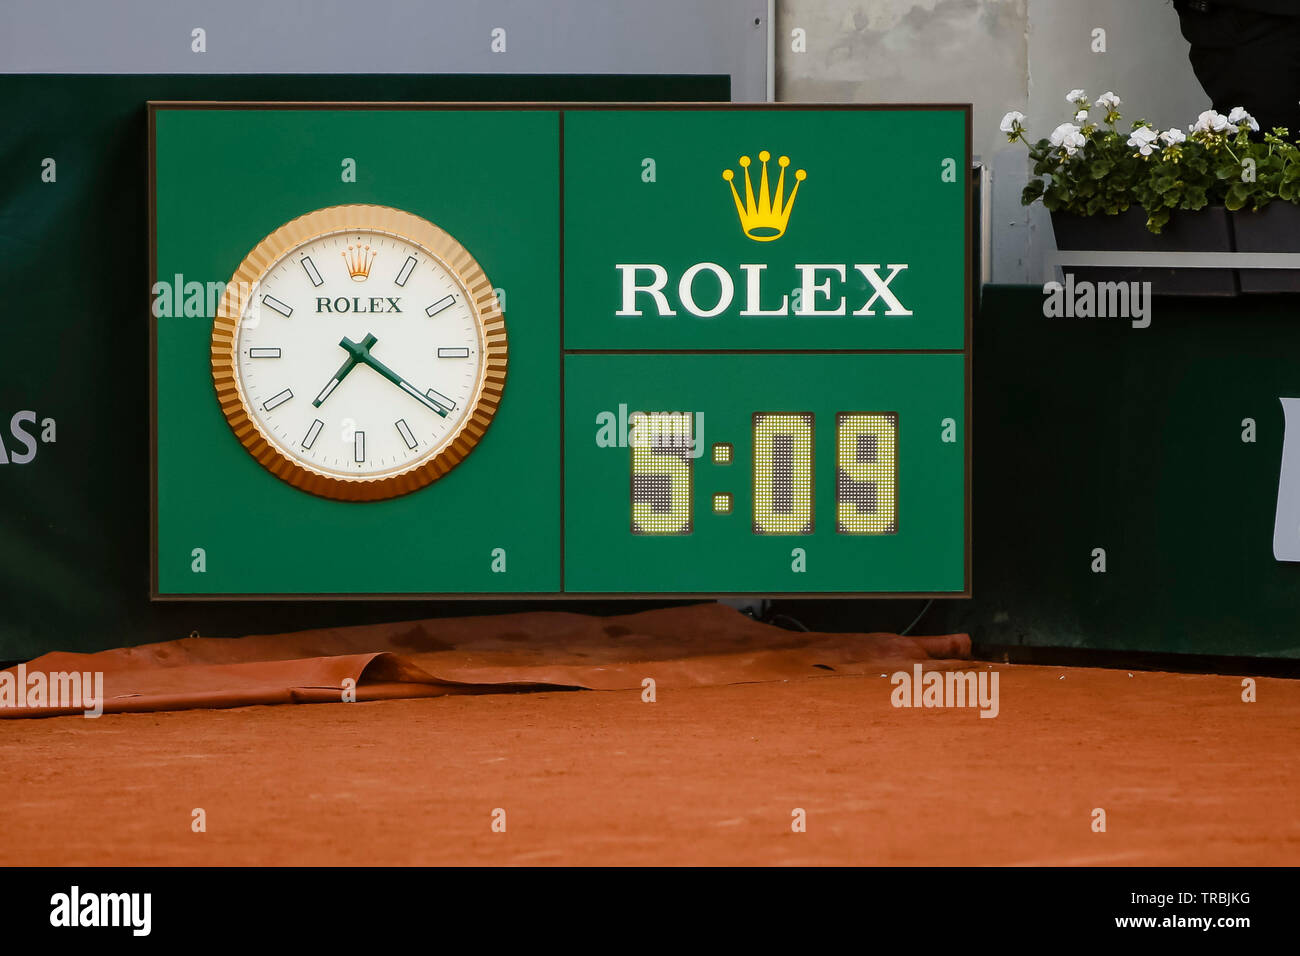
column 707, row 774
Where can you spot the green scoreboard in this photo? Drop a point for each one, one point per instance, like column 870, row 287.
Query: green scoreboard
column 506, row 350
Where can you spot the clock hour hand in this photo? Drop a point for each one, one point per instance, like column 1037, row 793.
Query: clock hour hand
column 348, row 365
column 361, row 353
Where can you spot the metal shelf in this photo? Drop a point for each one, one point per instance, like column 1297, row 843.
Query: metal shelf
column 1179, row 260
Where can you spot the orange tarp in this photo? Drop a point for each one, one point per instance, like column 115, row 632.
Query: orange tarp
column 701, row 645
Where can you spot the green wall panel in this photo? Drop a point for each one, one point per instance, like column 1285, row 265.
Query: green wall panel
column 1094, row 434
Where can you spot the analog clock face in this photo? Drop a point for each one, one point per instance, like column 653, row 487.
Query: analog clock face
column 367, row 355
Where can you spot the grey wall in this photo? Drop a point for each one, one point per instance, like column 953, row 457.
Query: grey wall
column 391, row 36
column 1000, row 55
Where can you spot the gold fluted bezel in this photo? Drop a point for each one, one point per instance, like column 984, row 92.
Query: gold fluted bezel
column 437, row 244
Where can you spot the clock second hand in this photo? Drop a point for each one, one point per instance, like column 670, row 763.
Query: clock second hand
column 361, row 353
column 348, row 365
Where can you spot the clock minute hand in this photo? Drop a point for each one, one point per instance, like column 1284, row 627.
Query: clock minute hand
column 362, row 354
column 348, row 365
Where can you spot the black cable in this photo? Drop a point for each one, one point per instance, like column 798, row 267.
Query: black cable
column 777, row 618
column 916, row 620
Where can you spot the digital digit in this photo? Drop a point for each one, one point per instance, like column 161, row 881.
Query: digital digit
column 866, row 473
column 661, row 472
column 783, row 473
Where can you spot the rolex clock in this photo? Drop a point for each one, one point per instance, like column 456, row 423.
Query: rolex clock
column 359, row 352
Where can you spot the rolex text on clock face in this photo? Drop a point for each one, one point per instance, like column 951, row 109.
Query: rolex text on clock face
column 368, row 362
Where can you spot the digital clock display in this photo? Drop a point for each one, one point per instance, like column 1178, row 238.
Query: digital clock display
column 845, row 460
column 737, row 340
column 866, row 478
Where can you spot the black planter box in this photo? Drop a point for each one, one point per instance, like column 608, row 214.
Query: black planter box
column 1275, row 228
column 1207, row 230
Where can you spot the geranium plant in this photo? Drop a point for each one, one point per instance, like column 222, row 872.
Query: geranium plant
column 1090, row 167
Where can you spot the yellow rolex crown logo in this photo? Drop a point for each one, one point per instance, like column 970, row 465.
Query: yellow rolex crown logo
column 764, row 219
column 359, row 259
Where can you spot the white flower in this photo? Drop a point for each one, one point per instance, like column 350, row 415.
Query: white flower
column 1076, row 96
column 1172, row 137
column 1081, row 116
column 1061, row 132
column 1239, row 116
column 1109, row 101
column 1210, row 120
column 1143, row 138
column 1013, row 122
column 1069, row 137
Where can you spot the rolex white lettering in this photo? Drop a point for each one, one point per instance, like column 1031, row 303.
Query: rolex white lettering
column 823, row 290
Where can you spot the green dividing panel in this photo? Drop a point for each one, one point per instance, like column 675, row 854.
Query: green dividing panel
column 641, row 513
column 647, row 207
column 225, row 178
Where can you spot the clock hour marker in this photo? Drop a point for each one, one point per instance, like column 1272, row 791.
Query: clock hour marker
column 446, row 302
column 275, row 401
column 263, row 353
column 325, row 392
column 359, row 447
column 442, row 400
column 310, row 438
column 312, row 272
column 272, row 302
column 404, row 430
column 453, row 353
column 405, row 274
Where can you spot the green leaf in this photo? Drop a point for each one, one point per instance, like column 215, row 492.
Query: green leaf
column 1157, row 219
column 1101, row 169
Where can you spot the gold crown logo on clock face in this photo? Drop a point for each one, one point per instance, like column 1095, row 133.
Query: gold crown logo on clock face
column 359, row 352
